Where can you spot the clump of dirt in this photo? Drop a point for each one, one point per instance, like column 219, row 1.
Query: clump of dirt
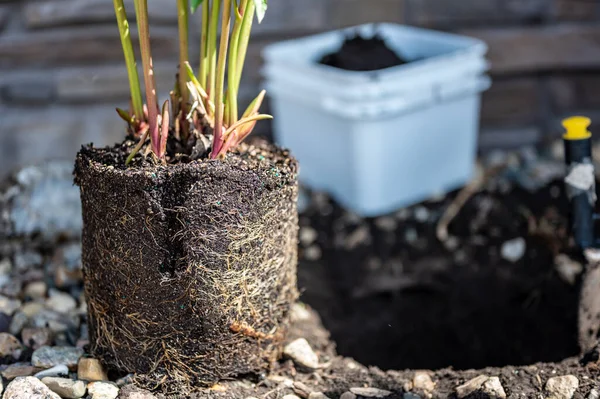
column 190, row 269
column 358, row 53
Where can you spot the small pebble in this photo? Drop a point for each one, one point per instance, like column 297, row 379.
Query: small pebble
column 102, row 390
column 90, row 369
column 422, row 381
column 31, row 309
column 65, row 387
column 301, row 389
column 19, row 370
column 61, row 302
column 28, row 388
column 348, row 395
column 307, row 235
column 36, row 337
column 421, row 214
column 386, row 223
column 411, row 235
column 10, row 346
column 594, row 394
column 123, row 381
column 317, row 395
column 18, row 322
column 514, row 249
column 302, row 354
column 9, row 305
column 290, row 396
column 47, row 356
column 312, row 253
column 562, row 387
column 567, row 268
column 494, row 388
column 55, row 371
column 36, row 290
column 370, row 392
column 360, row 236
column 299, row 313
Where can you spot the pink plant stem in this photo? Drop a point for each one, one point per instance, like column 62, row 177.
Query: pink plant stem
column 144, row 37
column 219, row 94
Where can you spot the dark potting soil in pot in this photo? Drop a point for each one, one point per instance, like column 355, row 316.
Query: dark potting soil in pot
column 358, row 53
column 190, row 268
column 393, row 296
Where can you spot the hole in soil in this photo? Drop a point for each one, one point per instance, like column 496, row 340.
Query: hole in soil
column 393, row 296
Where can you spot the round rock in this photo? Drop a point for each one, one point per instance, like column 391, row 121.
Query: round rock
column 28, row 388
column 102, row 390
column 65, row 387
column 302, row 354
column 562, row 387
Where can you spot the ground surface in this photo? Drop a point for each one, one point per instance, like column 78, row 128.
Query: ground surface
column 501, row 289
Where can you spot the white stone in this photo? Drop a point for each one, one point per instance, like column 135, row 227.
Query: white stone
column 61, row 369
column 102, row 390
column 562, row 387
column 28, row 388
column 422, row 380
column 299, row 312
column 302, row 354
column 514, row 249
column 65, row 387
column 307, row 235
column 567, row 268
column 494, row 388
column 370, row 392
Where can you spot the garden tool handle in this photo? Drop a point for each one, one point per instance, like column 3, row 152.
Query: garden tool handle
column 580, row 180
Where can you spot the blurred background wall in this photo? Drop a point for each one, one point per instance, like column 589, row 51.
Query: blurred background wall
column 62, row 71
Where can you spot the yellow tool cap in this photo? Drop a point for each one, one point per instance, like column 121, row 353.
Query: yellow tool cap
column 577, row 128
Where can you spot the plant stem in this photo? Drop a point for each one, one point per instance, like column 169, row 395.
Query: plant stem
column 220, row 84
column 232, row 105
column 204, row 44
column 134, row 80
column 212, row 49
column 182, row 18
column 244, row 39
column 144, row 33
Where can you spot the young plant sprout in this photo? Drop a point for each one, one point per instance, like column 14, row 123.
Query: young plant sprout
column 201, row 105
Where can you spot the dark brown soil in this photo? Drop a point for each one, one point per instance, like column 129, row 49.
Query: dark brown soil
column 339, row 374
column 398, row 298
column 190, row 269
column 363, row 54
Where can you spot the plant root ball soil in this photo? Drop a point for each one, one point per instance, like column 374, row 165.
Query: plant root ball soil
column 190, row 269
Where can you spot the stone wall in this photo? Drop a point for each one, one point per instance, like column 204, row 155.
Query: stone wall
column 62, row 73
